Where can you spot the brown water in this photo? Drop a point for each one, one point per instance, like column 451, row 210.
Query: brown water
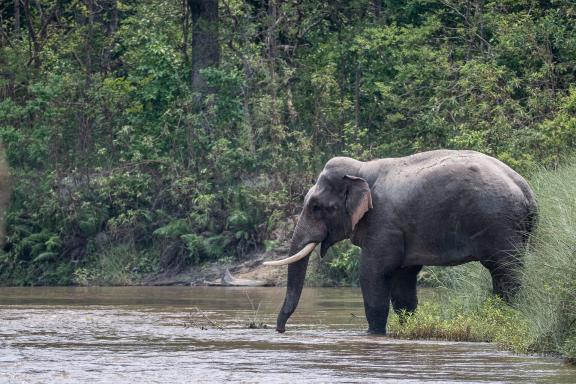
column 156, row 335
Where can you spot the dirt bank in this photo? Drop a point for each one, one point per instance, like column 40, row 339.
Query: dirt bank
column 250, row 267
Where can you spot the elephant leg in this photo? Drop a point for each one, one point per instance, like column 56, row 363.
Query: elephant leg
column 376, row 271
column 376, row 293
column 505, row 275
column 403, row 293
column 502, row 256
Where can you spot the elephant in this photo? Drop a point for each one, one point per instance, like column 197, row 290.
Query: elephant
column 440, row 208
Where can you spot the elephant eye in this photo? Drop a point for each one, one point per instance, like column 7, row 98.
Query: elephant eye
column 316, row 208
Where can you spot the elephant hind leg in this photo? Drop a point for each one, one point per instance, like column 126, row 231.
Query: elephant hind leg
column 505, row 276
column 403, row 293
column 502, row 256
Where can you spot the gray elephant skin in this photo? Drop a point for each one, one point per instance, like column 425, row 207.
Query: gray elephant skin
column 433, row 208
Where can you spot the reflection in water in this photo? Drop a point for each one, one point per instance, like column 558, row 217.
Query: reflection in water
column 172, row 334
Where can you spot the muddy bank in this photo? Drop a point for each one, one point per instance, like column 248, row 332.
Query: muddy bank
column 250, row 269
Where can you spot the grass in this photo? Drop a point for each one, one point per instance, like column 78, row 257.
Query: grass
column 255, row 321
column 548, row 300
column 111, row 266
column 543, row 317
column 493, row 321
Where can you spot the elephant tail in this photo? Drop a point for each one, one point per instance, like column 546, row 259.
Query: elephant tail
column 530, row 220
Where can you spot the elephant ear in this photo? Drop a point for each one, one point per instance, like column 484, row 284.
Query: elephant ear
column 358, row 198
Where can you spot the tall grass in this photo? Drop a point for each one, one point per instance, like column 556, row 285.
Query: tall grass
column 111, row 266
column 543, row 316
column 548, row 299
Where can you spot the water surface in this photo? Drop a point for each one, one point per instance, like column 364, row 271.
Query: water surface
column 201, row 335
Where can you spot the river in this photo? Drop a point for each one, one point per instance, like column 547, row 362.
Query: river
column 202, row 335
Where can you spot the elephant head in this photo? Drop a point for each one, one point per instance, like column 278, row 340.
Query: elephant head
column 332, row 209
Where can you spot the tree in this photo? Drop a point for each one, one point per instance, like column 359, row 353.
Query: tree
column 205, row 44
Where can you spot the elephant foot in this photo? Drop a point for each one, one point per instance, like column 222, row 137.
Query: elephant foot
column 377, row 331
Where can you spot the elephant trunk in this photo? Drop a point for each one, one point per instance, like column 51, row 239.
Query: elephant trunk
column 296, row 276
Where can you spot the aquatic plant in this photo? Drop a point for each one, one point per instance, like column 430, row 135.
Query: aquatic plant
column 255, row 321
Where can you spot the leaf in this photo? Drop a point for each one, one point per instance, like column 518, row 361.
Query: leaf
column 173, row 229
column 45, row 256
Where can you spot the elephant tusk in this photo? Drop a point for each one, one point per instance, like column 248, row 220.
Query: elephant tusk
column 292, row 259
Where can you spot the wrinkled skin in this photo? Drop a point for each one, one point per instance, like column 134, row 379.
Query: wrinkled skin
column 433, row 208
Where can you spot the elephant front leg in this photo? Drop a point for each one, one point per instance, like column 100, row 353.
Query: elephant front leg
column 376, row 293
column 380, row 258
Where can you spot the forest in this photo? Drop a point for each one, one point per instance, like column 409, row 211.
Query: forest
column 147, row 136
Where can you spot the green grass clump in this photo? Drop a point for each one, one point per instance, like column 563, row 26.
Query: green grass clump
column 492, row 321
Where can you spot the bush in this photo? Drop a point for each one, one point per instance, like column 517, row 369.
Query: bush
column 340, row 267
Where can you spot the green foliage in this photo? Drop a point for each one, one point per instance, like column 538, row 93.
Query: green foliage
column 569, row 349
column 115, row 265
column 346, row 263
column 445, row 319
column 109, row 143
column 174, row 228
column 202, row 248
column 340, row 267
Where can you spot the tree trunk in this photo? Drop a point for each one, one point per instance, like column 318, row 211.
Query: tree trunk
column 84, row 119
column 5, row 189
column 34, row 45
column 205, row 45
column 16, row 16
column 185, row 32
column 111, row 7
column 205, row 54
column 357, row 80
column 377, row 9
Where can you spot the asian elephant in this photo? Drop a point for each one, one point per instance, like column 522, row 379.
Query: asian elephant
column 441, row 207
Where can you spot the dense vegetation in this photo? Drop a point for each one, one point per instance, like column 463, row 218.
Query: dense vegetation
column 156, row 135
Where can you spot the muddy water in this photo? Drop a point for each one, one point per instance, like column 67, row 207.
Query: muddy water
column 201, row 335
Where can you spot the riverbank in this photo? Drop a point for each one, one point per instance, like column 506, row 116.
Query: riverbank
column 251, row 269
column 541, row 320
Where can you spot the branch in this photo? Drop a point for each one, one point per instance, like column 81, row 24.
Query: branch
column 31, row 34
